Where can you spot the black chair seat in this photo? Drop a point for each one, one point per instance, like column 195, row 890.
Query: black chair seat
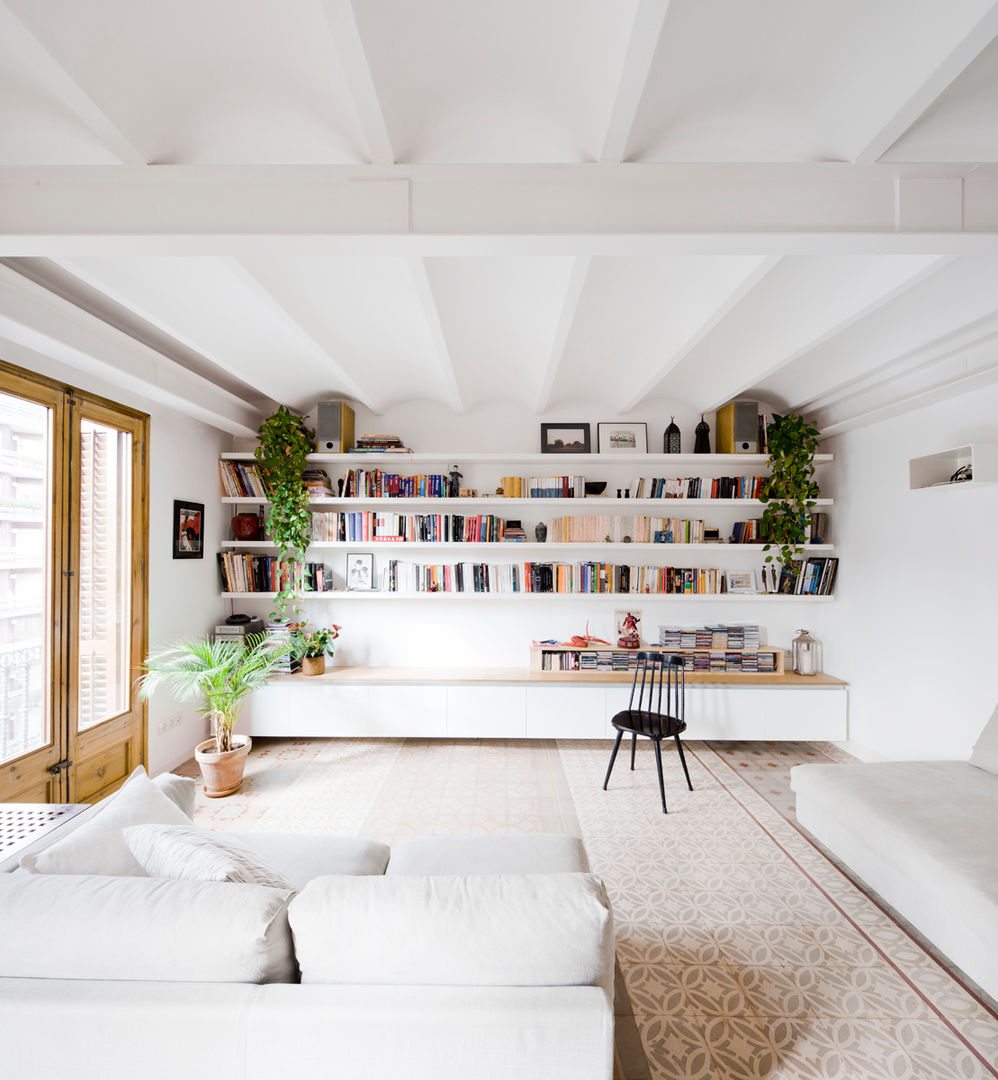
column 653, row 725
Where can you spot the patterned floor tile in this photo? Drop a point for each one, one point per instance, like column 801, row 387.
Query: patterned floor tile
column 739, row 1048
column 935, row 1051
column 676, row 1048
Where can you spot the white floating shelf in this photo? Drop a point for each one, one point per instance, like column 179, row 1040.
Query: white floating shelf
column 708, row 461
column 506, row 548
column 741, row 598
column 933, row 471
column 490, row 502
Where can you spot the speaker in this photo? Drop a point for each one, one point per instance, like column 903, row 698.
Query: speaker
column 334, row 427
column 738, row 428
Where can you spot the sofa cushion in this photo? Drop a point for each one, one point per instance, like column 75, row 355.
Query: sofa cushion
column 538, row 853
column 93, row 927
column 181, row 790
column 303, row 856
column 496, row 930
column 186, row 853
column 985, row 752
column 97, row 846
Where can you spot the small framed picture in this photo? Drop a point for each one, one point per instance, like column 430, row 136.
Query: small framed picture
column 565, row 438
column 740, row 581
column 627, row 627
column 360, row 570
column 188, row 529
column 622, row 438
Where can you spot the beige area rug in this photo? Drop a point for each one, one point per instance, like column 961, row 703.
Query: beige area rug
column 746, row 953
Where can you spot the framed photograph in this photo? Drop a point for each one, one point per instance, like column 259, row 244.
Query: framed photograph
column 740, row 581
column 360, row 570
column 565, row 438
column 622, row 438
column 188, row 529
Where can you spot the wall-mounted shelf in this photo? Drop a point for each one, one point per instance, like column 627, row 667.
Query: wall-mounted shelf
column 935, row 470
column 559, row 507
column 618, row 598
column 356, row 461
column 507, row 548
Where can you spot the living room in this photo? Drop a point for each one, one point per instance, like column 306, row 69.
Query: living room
column 467, row 222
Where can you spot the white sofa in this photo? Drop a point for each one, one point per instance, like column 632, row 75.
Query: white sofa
column 922, row 835
column 449, row 957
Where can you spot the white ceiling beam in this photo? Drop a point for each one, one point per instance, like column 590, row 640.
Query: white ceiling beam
column 716, row 316
column 547, row 209
column 649, row 18
column 33, row 318
column 353, row 58
column 569, row 307
column 53, row 77
column 935, row 82
column 424, row 291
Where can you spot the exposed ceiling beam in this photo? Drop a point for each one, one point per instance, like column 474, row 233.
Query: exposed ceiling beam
column 53, row 77
column 34, row 318
column 932, row 86
column 723, row 308
column 569, row 307
column 649, row 18
column 350, row 50
column 424, row 291
column 547, row 209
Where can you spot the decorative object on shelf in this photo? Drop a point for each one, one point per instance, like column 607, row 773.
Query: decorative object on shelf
column 285, row 442
column 740, row 581
column 962, row 475
column 585, row 639
column 712, row 535
column 671, row 440
column 595, row 487
column 628, row 632
column 334, row 426
column 454, row 487
column 246, row 527
column 770, row 579
column 663, row 536
column 188, row 529
column 701, row 434
column 311, row 645
column 738, row 427
column 540, row 532
column 221, row 675
column 790, row 490
column 565, row 438
column 622, row 438
column 360, row 571
column 806, row 653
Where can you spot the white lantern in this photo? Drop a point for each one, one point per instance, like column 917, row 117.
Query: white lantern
column 806, row 654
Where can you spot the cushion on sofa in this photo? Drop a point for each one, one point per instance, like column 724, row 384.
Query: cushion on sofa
column 538, row 853
column 186, row 853
column 97, row 846
column 494, row 930
column 985, row 752
column 93, row 927
column 181, row 790
column 303, row 856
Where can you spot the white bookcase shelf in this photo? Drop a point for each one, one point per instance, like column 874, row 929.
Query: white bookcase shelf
column 557, row 507
column 340, row 595
column 936, row 470
column 711, row 462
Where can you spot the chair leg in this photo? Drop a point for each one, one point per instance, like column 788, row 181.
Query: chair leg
column 613, row 758
column 682, row 758
column 661, row 779
column 634, row 745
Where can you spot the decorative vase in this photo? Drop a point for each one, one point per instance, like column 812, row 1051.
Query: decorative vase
column 313, row 665
column 670, row 440
column 223, row 773
column 246, row 527
column 541, row 532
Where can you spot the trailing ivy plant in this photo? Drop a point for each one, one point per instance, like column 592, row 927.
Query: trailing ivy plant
column 284, row 443
column 790, row 490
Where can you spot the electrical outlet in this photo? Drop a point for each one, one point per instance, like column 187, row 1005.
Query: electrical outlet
column 167, row 722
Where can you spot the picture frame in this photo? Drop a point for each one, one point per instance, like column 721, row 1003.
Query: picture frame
column 360, row 571
column 740, row 581
column 188, row 529
column 566, row 438
column 622, row 438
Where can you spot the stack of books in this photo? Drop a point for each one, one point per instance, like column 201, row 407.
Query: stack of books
column 380, row 444
column 279, row 633
column 316, row 483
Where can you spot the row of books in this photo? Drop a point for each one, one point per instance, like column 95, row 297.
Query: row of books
column 377, row 484
column 367, row 525
column 241, row 479
column 810, row 577
column 636, row 528
column 543, row 487
column 698, row 487
column 243, row 572
column 617, row 660
column 742, row 637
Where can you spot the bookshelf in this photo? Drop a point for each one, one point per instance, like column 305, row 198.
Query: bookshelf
column 932, row 471
column 607, row 658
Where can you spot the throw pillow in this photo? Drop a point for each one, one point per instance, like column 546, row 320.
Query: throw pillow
column 97, row 845
column 186, row 853
column 180, row 789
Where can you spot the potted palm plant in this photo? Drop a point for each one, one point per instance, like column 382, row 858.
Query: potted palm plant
column 220, row 675
column 312, row 644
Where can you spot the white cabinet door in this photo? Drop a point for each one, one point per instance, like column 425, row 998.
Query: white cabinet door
column 411, row 711
column 486, row 712
column 321, row 709
column 805, row 714
column 567, row 712
column 266, row 712
column 717, row 712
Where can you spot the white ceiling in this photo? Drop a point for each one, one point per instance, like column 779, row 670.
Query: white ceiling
column 908, row 88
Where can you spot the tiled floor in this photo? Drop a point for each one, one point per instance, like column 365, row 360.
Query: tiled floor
column 745, row 952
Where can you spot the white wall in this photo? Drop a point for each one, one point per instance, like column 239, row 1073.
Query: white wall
column 183, row 594
column 914, row 627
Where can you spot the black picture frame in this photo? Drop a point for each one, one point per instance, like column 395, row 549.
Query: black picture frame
column 554, row 438
column 360, row 571
column 188, row 529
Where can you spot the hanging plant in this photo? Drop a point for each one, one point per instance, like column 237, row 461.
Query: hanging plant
column 790, row 490
column 285, row 442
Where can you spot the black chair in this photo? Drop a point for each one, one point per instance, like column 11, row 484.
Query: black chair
column 645, row 714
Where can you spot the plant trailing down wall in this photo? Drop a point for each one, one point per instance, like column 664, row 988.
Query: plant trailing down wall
column 284, row 443
column 790, row 490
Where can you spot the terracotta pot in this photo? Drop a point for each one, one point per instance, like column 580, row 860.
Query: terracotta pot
column 246, row 527
column 313, row 665
column 223, row 773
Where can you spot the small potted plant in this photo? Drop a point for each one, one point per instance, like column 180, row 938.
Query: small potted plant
column 311, row 644
column 220, row 675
